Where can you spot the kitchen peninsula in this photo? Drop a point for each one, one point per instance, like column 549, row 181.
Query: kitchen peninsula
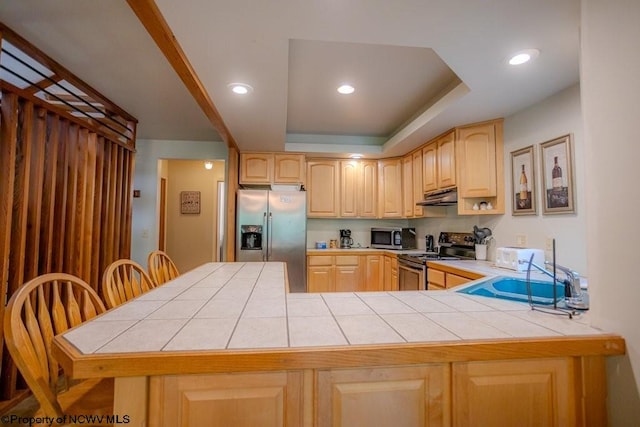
column 226, row 343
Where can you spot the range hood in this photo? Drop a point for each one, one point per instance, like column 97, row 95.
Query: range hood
column 446, row 197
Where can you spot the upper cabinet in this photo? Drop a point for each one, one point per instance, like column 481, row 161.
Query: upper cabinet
column 480, row 165
column 439, row 163
column 272, row 168
column 468, row 157
column 390, row 188
column 358, row 188
column 323, row 192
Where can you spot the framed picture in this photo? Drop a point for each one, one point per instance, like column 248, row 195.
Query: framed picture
column 523, row 182
column 557, row 176
column 190, row 202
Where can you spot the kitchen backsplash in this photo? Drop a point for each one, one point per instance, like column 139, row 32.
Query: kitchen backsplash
column 327, row 229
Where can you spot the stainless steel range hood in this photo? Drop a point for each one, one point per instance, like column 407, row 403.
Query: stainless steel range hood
column 446, row 197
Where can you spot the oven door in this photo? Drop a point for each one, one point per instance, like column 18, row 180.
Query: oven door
column 411, row 277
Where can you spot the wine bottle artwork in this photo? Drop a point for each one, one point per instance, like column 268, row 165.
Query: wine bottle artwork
column 524, row 199
column 558, row 182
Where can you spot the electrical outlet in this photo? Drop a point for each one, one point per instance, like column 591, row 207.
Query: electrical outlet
column 521, row 240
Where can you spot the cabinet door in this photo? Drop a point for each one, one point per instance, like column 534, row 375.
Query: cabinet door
column 374, row 273
column 436, row 278
column 402, row 396
column 514, row 393
column 446, row 161
column 430, row 167
column 390, row 188
column 256, row 168
column 289, row 169
column 477, row 161
column 407, row 186
column 242, row 400
column 347, row 273
column 454, row 280
column 387, row 273
column 323, row 191
column 349, row 174
column 320, row 279
column 368, row 189
column 418, row 195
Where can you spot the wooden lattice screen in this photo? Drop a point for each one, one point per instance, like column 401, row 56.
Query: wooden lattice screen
column 65, row 182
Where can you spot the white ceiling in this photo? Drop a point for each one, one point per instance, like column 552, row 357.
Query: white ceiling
column 419, row 67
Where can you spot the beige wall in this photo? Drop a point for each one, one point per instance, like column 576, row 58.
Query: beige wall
column 191, row 238
column 610, row 60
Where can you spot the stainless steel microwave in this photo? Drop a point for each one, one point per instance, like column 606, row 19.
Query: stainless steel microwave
column 393, row 238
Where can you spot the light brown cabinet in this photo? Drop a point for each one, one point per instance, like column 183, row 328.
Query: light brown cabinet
column 390, row 281
column 439, row 163
column 358, row 188
column 323, row 192
column 240, row 399
column 515, row 392
column 271, row 168
column 348, row 273
column 344, row 273
column 439, row 278
column 479, row 153
column 390, row 188
column 388, row 396
column 407, row 186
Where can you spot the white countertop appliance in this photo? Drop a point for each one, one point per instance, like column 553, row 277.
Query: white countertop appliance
column 517, row 259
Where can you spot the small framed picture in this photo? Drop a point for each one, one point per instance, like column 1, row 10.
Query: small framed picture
column 523, row 182
column 557, row 176
column 190, row 202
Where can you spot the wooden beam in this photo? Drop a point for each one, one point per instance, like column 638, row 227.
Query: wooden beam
column 152, row 19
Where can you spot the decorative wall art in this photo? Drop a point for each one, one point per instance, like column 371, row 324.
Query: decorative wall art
column 523, row 182
column 190, row 202
column 557, row 174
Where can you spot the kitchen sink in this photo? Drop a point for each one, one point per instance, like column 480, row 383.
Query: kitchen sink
column 515, row 289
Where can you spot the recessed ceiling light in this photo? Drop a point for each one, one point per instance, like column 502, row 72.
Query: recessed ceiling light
column 240, row 88
column 356, row 156
column 208, row 165
column 346, row 89
column 523, row 56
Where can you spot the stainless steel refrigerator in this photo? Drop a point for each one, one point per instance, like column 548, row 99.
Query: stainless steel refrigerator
column 272, row 226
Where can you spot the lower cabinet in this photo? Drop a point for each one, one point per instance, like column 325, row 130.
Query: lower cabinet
column 270, row 399
column 440, row 279
column 533, row 393
column 344, row 273
column 560, row 391
column 394, row 396
column 390, row 281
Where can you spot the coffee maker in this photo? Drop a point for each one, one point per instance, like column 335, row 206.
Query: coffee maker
column 345, row 239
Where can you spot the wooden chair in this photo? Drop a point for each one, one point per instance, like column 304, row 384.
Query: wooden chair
column 41, row 308
column 123, row 280
column 161, row 267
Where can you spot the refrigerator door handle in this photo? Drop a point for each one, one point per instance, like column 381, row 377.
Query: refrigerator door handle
column 264, row 230
column 270, row 236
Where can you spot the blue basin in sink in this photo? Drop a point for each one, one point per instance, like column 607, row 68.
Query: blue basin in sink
column 515, row 289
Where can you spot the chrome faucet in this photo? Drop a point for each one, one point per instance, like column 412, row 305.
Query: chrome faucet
column 574, row 296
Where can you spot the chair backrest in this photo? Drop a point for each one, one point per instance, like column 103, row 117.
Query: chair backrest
column 41, row 308
column 123, row 280
column 161, row 267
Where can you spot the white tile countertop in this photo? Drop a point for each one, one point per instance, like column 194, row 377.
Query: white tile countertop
column 220, row 306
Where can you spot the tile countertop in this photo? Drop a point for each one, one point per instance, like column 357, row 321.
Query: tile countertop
column 220, row 306
column 356, row 251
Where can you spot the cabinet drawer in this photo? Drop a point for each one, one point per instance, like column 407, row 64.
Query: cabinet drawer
column 347, row 260
column 436, row 277
column 454, row 280
column 320, row 260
